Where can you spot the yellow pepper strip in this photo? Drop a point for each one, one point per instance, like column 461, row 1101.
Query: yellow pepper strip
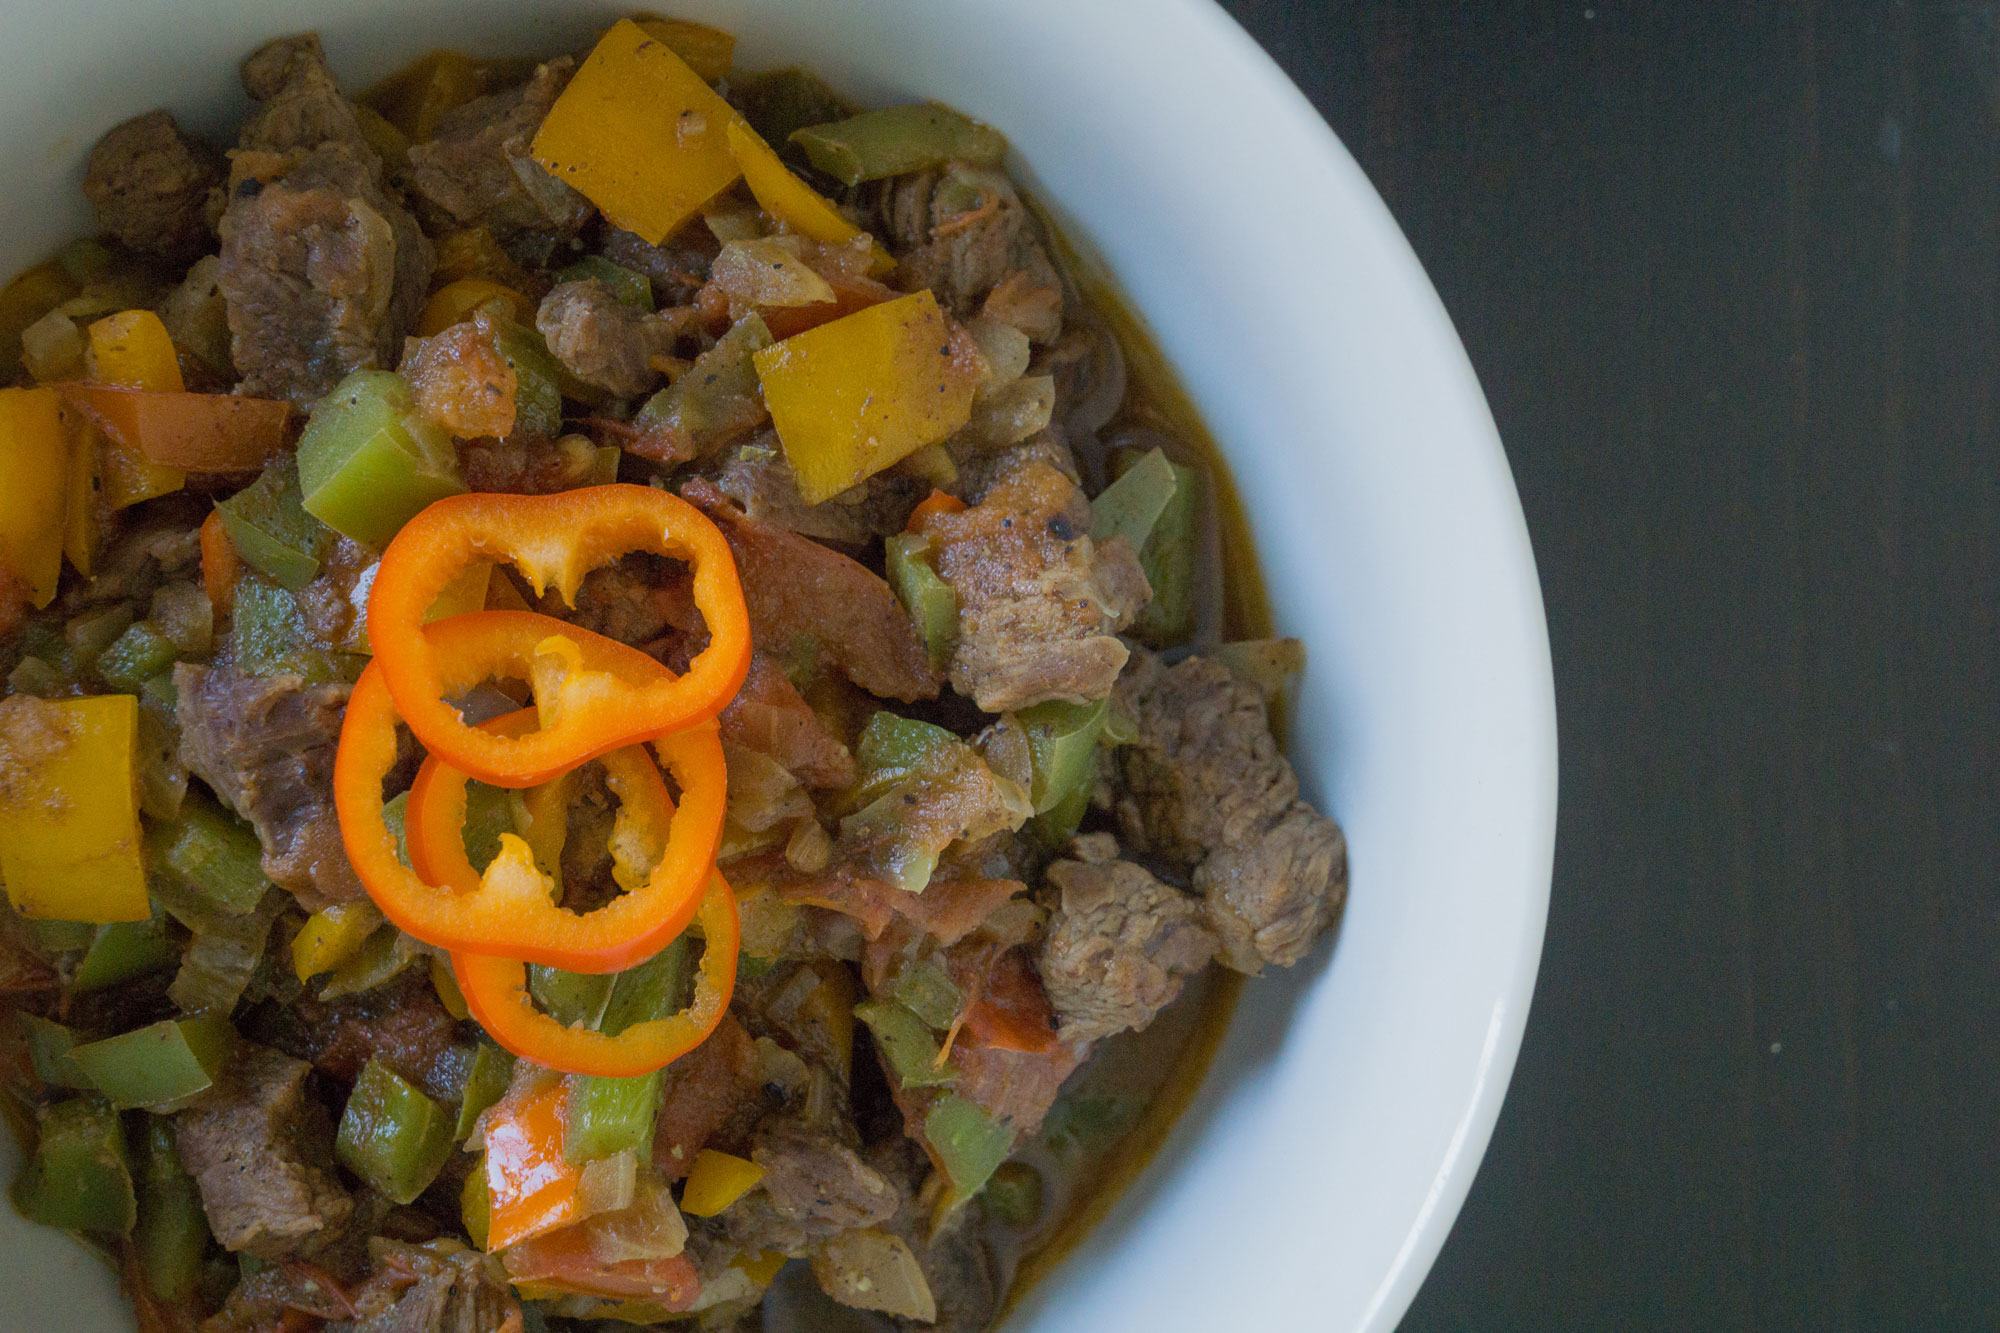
column 762, row 1266
column 80, row 499
column 34, row 477
column 785, row 197
column 856, row 395
column 131, row 349
column 455, row 302
column 414, row 99
column 69, row 809
column 331, row 936
column 716, row 1181
column 707, row 51
column 640, row 134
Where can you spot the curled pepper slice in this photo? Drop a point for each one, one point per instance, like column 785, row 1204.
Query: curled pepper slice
column 509, row 909
column 554, row 540
column 644, row 857
column 496, row 990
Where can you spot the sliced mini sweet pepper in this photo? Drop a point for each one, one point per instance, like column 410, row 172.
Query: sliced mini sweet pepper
column 69, row 811
column 34, row 480
column 496, row 989
column 554, row 540
column 509, row 908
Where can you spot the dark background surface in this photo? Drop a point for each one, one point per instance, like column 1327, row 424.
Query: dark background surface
column 1728, row 275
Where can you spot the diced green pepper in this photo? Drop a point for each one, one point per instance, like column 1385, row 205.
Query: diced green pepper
column 369, row 461
column 608, row 1116
column 923, row 988
column 1133, row 503
column 90, row 634
column 223, row 957
column 79, row 1178
column 931, row 602
column 906, row 1043
column 719, row 399
column 172, row 1233
column 1083, row 1125
column 892, row 747
column 1062, row 743
column 1168, row 557
column 488, row 813
column 785, row 100
column 268, row 636
column 268, row 525
column 121, row 951
column 1014, row 1195
column 656, row 988
column 475, row 1211
column 213, row 853
column 62, row 936
column 49, row 1047
column 136, row 656
column 571, row 998
column 540, row 381
column 392, row 1135
column 633, row 289
column 161, row 1067
column 968, row 1144
column 896, row 140
column 382, row 957
column 492, row 1069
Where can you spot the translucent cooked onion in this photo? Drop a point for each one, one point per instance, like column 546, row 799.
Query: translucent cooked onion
column 873, row 1270
column 766, row 272
column 651, row 1228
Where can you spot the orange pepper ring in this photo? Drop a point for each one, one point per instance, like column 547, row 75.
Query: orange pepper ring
column 633, row 926
column 496, row 990
column 435, row 824
column 554, row 540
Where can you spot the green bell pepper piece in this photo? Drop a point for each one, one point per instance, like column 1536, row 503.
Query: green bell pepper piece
column 653, row 989
column 90, row 634
column 1133, row 503
column 213, row 853
column 1062, row 745
column 931, row 602
column 1168, row 557
column 923, row 988
column 121, row 951
column 540, row 381
column 607, row 1116
column 488, row 813
column 492, row 1070
column 62, row 936
column 896, row 140
column 906, row 1044
column 1013, row 1195
column 268, row 525
column 162, row 1067
column 719, row 399
column 967, row 1143
column 892, row 748
column 49, row 1047
column 392, row 1135
column 633, row 289
column 783, row 101
column 172, row 1232
column 135, row 657
column 79, row 1178
column 571, row 998
column 369, row 461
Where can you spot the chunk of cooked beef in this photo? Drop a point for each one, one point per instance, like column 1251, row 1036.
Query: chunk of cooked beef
column 403, row 1024
column 261, row 1154
column 1015, row 1087
column 770, row 716
column 759, row 479
column 603, row 341
column 323, row 270
column 1039, row 603
column 1206, row 793
column 635, row 601
column 1119, row 947
column 476, row 171
column 802, row 595
column 149, row 182
column 966, row 235
column 818, row 1183
column 707, row 1097
column 457, row 1291
column 266, row 745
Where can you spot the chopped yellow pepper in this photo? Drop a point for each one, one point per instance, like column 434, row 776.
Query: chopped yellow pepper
column 69, row 808
column 456, row 302
column 716, row 1181
column 34, row 477
column 856, row 395
column 415, row 98
column 131, row 349
column 639, row 134
column 80, row 518
column 785, row 197
column 707, row 51
column 331, row 936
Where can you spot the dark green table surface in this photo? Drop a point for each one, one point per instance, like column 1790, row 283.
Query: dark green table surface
column 1728, row 273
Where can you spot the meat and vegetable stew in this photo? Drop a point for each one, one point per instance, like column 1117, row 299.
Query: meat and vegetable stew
column 609, row 685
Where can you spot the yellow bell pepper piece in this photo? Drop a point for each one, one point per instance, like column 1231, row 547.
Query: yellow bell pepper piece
column 716, row 1181
column 856, row 395
column 69, row 809
column 707, row 51
column 80, row 518
column 640, row 134
column 455, row 302
column 331, row 936
column 132, row 349
column 785, row 197
column 414, row 99
column 34, row 479
column 26, row 299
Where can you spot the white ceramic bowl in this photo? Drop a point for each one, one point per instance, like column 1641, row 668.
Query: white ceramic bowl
column 1314, row 1179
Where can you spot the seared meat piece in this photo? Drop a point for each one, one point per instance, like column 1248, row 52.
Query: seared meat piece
column 323, row 269
column 819, row 1184
column 760, row 480
column 403, row 1024
column 457, row 1292
column 150, row 182
column 261, row 1154
column 770, row 716
column 1039, row 604
column 1017, row 1087
column 1120, row 945
column 475, row 171
column 801, row 594
column 634, row 601
column 707, row 1092
column 266, row 746
column 603, row 341
column 1206, row 793
column 676, row 271
column 971, row 240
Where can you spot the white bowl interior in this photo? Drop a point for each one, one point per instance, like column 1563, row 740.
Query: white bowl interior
column 1315, row 1177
